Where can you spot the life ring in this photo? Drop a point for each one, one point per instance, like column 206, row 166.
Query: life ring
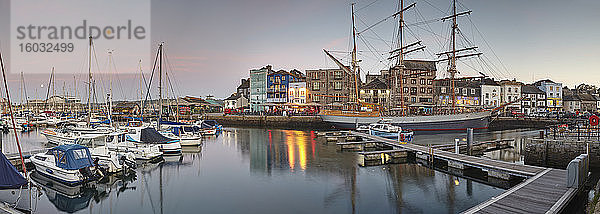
column 401, row 137
column 594, row 120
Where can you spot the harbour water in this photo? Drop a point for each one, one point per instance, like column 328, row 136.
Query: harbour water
column 274, row 171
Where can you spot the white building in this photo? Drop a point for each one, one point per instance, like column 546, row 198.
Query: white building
column 553, row 92
column 534, row 100
column 236, row 101
column 572, row 104
column 510, row 90
column 490, row 94
column 297, row 93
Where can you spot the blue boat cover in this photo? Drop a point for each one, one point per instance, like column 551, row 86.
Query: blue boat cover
column 107, row 121
column 72, row 156
column 10, row 178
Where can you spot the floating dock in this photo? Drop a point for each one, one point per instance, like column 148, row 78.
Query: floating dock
column 544, row 190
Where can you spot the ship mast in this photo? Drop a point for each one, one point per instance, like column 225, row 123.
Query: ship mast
column 354, row 61
column 453, row 58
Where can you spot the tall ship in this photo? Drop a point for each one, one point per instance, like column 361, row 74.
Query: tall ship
column 445, row 118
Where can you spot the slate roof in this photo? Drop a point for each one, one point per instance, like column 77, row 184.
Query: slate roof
column 530, row 89
column 375, row 84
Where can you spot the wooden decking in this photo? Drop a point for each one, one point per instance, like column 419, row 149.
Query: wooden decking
column 544, row 191
column 477, row 162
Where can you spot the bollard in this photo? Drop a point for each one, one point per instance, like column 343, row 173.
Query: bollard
column 456, row 147
column 469, row 140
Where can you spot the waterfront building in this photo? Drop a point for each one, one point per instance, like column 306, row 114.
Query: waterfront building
column 490, row 93
column 375, row 91
column 328, row 86
column 258, row 88
column 553, row 92
column 297, row 93
column 580, row 102
column 572, row 104
column 417, row 85
column 510, row 90
column 278, row 84
column 244, row 88
column 467, row 93
column 236, row 101
column 534, row 100
column 383, row 76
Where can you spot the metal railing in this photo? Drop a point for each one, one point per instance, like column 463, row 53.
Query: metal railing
column 577, row 132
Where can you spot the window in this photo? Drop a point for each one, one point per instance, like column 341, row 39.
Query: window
column 429, row 82
column 413, row 99
column 551, row 88
column 413, row 81
column 315, row 86
column 508, row 98
column 422, row 90
column 472, row 91
column 404, row 81
column 429, row 90
column 413, row 90
column 443, row 90
column 337, row 85
column 422, row 81
column 487, row 95
column 315, row 98
column 405, row 89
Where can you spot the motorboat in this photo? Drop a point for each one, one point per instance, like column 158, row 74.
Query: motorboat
column 149, row 136
column 13, row 186
column 187, row 135
column 69, row 163
column 117, row 142
column 209, row 127
column 112, row 161
column 60, row 136
column 385, row 129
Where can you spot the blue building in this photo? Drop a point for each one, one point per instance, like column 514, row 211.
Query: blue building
column 278, row 84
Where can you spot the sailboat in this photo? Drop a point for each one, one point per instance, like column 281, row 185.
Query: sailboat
column 352, row 118
column 11, row 180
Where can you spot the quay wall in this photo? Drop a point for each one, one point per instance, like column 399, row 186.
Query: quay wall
column 558, row 153
column 292, row 122
column 315, row 122
column 506, row 123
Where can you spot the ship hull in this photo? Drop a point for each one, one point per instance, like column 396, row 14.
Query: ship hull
column 434, row 123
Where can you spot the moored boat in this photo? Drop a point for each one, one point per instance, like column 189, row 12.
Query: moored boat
column 70, row 163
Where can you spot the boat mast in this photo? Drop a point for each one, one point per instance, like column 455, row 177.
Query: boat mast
column 89, row 116
column 453, row 58
column 110, row 90
column 160, row 104
column 12, row 117
column 354, row 62
column 141, row 92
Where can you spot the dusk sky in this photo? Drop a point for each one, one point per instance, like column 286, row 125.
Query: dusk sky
column 211, row 45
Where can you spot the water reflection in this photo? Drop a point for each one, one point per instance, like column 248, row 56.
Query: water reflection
column 275, row 171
